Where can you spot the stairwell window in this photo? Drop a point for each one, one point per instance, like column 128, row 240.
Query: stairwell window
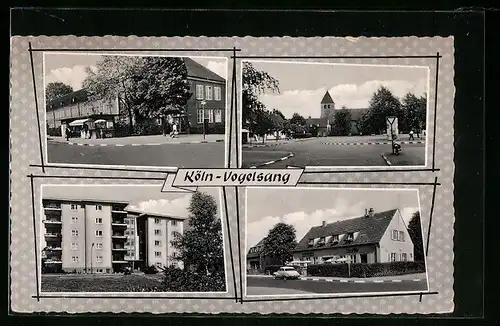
column 74, row 207
column 74, row 259
column 157, row 243
column 74, row 220
column 157, row 221
column 74, row 246
column 98, row 259
column 98, row 246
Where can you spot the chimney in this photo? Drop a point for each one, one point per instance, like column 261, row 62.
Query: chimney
column 371, row 212
column 323, row 223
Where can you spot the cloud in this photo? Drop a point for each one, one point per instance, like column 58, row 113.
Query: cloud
column 407, row 213
column 219, row 67
column 303, row 221
column 307, row 102
column 175, row 207
column 73, row 76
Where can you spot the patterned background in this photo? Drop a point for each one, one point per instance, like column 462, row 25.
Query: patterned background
column 25, row 151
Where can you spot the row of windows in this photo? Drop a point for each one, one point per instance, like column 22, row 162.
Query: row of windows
column 74, row 207
column 212, row 115
column 74, row 220
column 208, row 93
column 334, row 238
column 97, row 246
column 158, row 232
column 398, row 235
column 75, row 259
column 98, row 233
column 393, row 256
column 158, row 221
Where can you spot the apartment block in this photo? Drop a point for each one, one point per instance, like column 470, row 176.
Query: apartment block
column 103, row 237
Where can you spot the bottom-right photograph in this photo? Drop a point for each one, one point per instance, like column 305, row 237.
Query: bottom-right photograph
column 304, row 241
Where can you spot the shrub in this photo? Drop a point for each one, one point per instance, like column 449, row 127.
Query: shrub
column 54, row 132
column 367, row 270
column 150, row 270
column 306, row 135
column 181, row 280
column 148, row 127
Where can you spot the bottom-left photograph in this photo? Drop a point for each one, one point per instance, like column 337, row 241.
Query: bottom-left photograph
column 131, row 238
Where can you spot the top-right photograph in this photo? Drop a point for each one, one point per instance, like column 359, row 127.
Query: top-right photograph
column 305, row 114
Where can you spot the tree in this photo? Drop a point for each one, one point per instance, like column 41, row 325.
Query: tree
column 263, row 123
column 422, row 111
column 297, row 119
column 382, row 104
column 200, row 248
column 255, row 83
column 415, row 109
column 342, row 122
column 115, row 76
column 278, row 122
column 415, row 231
column 161, row 88
column 279, row 243
column 56, row 89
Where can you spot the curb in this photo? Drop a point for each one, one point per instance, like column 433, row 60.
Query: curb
column 147, row 144
column 275, row 144
column 372, row 143
column 356, row 281
column 272, row 162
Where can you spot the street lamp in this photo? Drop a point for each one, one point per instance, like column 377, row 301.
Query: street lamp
column 203, row 104
column 91, row 258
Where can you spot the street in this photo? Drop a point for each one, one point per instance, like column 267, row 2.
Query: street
column 332, row 151
column 264, row 286
column 194, row 155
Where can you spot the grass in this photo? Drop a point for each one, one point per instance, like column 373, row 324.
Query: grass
column 101, row 283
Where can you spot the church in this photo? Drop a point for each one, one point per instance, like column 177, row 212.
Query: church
column 328, row 115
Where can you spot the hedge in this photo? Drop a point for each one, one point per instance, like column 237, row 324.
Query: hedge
column 212, row 129
column 182, row 280
column 367, row 270
column 306, row 135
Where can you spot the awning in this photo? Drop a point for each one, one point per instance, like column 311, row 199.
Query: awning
column 100, row 121
column 79, row 122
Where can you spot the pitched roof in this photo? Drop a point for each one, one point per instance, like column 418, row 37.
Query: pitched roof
column 356, row 114
column 371, row 230
column 199, row 71
column 322, row 122
column 256, row 254
column 327, row 98
column 74, row 97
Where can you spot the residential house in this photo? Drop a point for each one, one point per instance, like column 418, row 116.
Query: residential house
column 319, row 127
column 255, row 257
column 328, row 111
column 375, row 237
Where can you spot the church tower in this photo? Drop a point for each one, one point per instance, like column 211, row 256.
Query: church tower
column 327, row 106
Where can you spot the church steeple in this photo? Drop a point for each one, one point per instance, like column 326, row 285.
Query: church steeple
column 327, row 106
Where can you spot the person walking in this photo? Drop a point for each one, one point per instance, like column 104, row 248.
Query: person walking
column 174, row 130
column 67, row 133
column 411, row 135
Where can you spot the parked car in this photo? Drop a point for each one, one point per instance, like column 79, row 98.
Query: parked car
column 286, row 273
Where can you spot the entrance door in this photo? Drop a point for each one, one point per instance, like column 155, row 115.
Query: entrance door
column 364, row 258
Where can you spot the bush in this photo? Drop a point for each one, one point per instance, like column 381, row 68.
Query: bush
column 54, row 132
column 181, row 280
column 367, row 270
column 148, row 127
column 306, row 135
column 150, row 270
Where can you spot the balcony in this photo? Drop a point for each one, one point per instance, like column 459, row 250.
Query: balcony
column 53, row 248
column 53, row 261
column 118, row 236
column 52, row 221
column 118, row 248
column 118, row 222
column 118, row 211
column 52, row 206
column 52, row 235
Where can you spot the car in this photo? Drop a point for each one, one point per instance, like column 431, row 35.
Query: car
column 286, row 273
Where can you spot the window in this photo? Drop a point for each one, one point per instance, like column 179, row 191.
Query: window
column 98, row 259
column 98, row 246
column 199, row 115
column 157, row 221
column 393, row 256
column 411, row 255
column 74, row 259
column 74, row 246
column 157, row 253
column 74, row 233
column 328, row 105
column 401, row 236
column 394, row 235
column 131, row 253
column 208, row 93
column 310, row 243
column 325, row 106
column 98, row 207
column 403, row 256
column 350, row 236
column 353, row 259
column 157, row 243
column 174, row 223
column 173, row 234
column 217, row 93
column 210, row 113
column 100, row 270
column 98, row 233
column 98, row 220
column 335, row 238
column 160, row 265
column 218, row 115
column 199, row 92
column 321, row 241
column 74, row 207
column 74, row 220
column 157, row 232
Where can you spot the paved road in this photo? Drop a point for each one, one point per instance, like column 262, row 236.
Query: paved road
column 209, row 155
column 317, row 152
column 259, row 285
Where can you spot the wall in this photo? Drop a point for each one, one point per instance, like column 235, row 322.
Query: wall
column 92, row 213
column 193, row 104
column 67, row 239
column 369, row 250
column 387, row 245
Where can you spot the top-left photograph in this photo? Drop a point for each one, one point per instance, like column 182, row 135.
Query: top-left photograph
column 135, row 110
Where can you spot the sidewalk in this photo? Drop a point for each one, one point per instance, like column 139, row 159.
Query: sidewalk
column 269, row 143
column 382, row 279
column 141, row 140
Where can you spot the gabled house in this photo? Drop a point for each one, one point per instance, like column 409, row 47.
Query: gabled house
column 254, row 256
column 319, row 127
column 372, row 238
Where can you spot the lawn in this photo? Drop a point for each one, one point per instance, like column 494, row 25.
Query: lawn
column 101, row 283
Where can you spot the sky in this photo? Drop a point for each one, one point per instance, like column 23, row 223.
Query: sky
column 303, row 85
column 305, row 208
column 70, row 68
column 144, row 198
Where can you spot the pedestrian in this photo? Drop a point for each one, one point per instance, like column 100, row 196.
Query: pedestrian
column 418, row 133
column 174, row 130
column 411, row 135
column 67, row 133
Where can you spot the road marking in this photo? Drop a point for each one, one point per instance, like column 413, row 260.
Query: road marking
column 386, row 160
column 272, row 162
column 359, row 281
column 416, row 280
column 149, row 144
column 153, row 144
column 378, row 281
column 396, row 281
column 136, row 144
column 315, row 279
column 369, row 143
column 344, row 281
column 119, row 145
column 104, row 144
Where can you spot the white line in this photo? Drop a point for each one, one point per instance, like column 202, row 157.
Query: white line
column 416, row 280
column 119, row 145
column 153, row 144
column 315, row 279
column 344, row 281
column 359, row 281
column 396, row 281
column 386, row 160
column 378, row 281
column 136, row 144
column 104, row 144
